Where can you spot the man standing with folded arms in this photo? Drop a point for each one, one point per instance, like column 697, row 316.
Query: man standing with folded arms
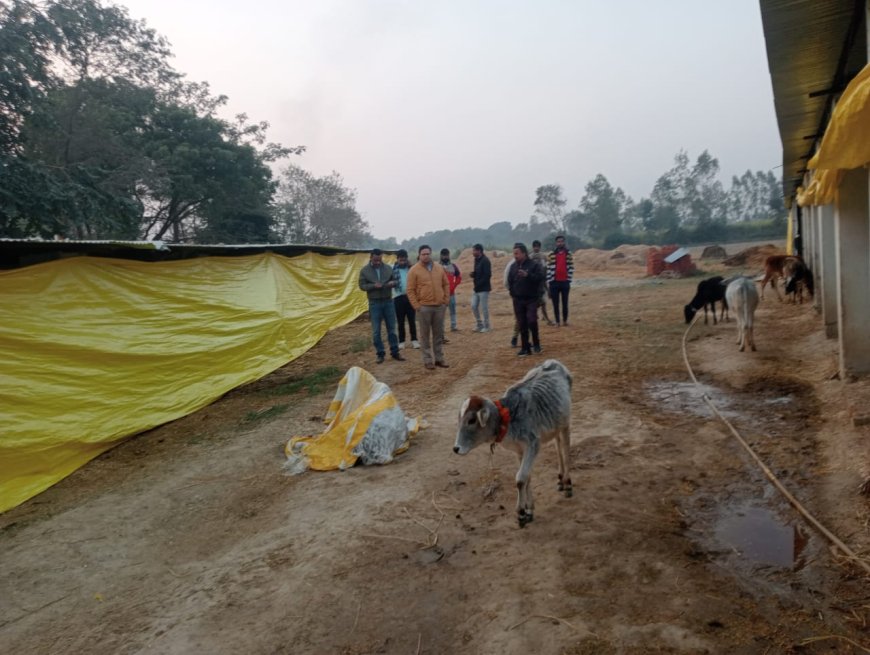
column 429, row 293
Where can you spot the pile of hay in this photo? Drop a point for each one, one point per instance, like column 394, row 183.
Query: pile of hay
column 714, row 252
column 621, row 258
column 754, row 256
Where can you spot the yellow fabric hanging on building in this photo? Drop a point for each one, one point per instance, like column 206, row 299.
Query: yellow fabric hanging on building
column 846, row 143
column 93, row 350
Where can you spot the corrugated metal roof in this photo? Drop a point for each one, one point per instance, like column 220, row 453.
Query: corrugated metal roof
column 679, row 253
column 147, row 245
column 814, row 47
column 15, row 253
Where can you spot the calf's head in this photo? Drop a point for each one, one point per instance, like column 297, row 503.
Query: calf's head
column 476, row 424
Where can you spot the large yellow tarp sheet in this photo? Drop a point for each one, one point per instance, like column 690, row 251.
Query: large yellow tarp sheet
column 846, row 143
column 94, row 350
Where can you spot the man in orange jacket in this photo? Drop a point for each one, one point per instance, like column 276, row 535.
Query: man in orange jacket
column 429, row 293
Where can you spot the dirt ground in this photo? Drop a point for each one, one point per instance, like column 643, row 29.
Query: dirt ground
column 190, row 539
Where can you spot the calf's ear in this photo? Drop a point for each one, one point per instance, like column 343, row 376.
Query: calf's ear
column 482, row 416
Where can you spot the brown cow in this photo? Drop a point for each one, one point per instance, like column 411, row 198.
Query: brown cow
column 796, row 277
column 773, row 269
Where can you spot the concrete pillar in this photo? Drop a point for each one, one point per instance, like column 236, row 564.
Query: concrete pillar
column 826, row 273
column 852, row 235
column 815, row 262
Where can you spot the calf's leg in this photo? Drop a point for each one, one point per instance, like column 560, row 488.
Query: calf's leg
column 563, row 444
column 525, row 503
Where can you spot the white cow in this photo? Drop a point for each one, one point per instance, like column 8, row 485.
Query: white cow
column 742, row 298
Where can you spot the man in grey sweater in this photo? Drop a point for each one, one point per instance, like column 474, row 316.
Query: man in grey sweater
column 376, row 279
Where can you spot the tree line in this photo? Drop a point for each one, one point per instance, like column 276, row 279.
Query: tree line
column 688, row 204
column 100, row 138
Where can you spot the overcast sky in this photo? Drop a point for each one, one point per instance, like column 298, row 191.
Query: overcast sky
column 448, row 114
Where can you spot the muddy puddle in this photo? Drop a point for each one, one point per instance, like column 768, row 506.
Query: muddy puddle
column 749, row 536
column 687, row 398
column 739, row 521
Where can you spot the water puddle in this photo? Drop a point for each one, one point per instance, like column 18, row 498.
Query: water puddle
column 688, row 398
column 759, row 537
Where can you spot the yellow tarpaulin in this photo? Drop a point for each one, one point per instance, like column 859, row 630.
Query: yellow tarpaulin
column 94, row 350
column 822, row 190
column 846, row 143
column 362, row 408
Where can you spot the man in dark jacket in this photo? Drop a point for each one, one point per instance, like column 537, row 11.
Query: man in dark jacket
column 524, row 283
column 376, row 279
column 482, row 276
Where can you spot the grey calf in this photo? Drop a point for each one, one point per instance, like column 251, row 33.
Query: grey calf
column 533, row 411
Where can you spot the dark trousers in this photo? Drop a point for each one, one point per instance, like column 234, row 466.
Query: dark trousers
column 404, row 310
column 560, row 290
column 526, row 312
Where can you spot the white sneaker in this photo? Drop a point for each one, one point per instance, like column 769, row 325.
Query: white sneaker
column 415, row 344
column 485, row 329
column 401, row 345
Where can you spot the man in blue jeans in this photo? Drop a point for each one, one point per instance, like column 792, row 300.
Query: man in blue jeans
column 376, row 279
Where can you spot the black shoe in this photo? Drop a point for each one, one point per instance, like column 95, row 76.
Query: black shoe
column 524, row 353
column 514, row 342
column 398, row 357
column 537, row 350
column 380, row 359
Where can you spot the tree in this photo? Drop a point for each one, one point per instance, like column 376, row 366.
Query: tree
column 318, row 210
column 101, row 138
column 604, row 207
column 549, row 205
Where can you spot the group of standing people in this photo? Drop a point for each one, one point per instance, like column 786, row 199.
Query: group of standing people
column 419, row 295
column 422, row 294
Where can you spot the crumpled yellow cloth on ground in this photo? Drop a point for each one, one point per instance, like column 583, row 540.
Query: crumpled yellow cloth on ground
column 365, row 423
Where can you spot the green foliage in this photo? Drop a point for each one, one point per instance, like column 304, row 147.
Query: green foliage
column 318, row 210
column 314, row 383
column 265, row 414
column 359, row 345
column 549, row 207
column 101, row 138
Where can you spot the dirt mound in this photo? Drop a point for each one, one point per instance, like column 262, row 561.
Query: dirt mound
column 621, row 258
column 753, row 256
column 714, row 252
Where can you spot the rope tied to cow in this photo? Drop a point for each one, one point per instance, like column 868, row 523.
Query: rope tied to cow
column 803, row 511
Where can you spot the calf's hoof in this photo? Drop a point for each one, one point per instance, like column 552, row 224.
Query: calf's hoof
column 524, row 518
column 569, row 492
